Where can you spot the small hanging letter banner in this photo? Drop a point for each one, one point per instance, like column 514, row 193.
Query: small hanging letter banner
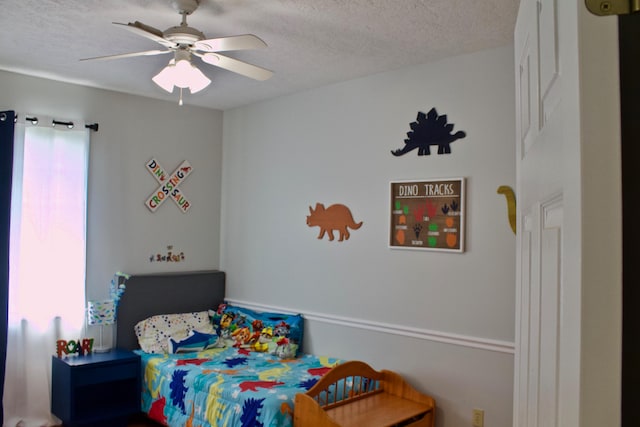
column 168, row 185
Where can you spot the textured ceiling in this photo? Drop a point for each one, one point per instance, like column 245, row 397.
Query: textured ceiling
column 310, row 42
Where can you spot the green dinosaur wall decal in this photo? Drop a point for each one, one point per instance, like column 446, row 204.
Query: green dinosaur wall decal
column 511, row 204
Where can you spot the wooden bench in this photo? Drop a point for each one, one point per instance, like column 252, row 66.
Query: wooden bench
column 353, row 394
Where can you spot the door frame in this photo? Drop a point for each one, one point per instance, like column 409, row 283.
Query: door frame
column 629, row 34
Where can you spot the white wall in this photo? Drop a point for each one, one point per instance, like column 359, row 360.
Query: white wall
column 445, row 321
column 449, row 317
column 121, row 232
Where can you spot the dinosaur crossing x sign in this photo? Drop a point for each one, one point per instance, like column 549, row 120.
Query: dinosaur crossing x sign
column 168, row 185
column 429, row 129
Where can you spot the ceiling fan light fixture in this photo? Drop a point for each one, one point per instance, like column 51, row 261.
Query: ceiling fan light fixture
column 184, row 41
column 165, row 78
column 182, row 74
column 186, row 75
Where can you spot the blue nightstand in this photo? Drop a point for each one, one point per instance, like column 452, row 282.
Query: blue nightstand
column 101, row 389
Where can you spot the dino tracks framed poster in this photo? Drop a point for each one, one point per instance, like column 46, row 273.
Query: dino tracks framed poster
column 428, row 215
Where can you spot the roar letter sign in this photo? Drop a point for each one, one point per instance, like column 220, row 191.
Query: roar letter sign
column 168, row 185
column 428, row 215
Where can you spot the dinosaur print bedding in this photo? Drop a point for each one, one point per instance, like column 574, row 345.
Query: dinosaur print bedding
column 230, row 387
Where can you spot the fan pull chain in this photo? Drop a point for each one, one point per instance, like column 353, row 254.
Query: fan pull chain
column 180, row 101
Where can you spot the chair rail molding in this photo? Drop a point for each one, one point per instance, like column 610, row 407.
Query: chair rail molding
column 389, row 328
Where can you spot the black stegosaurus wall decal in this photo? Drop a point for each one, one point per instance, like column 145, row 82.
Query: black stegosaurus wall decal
column 429, row 129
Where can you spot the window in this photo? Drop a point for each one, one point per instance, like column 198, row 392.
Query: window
column 48, row 225
column 46, row 262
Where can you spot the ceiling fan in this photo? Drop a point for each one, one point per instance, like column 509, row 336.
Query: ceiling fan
column 184, row 42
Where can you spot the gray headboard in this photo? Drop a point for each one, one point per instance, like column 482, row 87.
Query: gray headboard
column 166, row 293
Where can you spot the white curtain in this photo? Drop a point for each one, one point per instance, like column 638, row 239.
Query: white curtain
column 46, row 264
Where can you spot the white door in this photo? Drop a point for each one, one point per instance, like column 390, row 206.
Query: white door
column 569, row 237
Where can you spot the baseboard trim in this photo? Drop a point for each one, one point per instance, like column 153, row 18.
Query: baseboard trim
column 407, row 331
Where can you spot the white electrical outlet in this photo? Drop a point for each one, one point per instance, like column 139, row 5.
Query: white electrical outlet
column 477, row 419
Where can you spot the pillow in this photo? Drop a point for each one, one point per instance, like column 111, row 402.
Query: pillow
column 274, row 333
column 196, row 341
column 153, row 333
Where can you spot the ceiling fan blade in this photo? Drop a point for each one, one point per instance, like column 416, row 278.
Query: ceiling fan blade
column 221, row 44
column 127, row 55
column 147, row 31
column 237, row 66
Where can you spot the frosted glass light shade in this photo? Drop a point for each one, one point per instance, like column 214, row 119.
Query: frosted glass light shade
column 164, row 78
column 182, row 74
column 101, row 312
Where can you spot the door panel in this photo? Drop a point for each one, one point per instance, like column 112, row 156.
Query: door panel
column 549, row 60
column 538, row 321
column 531, row 287
column 526, row 46
column 540, row 204
column 550, row 291
column 524, row 90
column 567, row 370
column 523, row 323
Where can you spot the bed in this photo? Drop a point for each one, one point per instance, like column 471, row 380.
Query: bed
column 226, row 381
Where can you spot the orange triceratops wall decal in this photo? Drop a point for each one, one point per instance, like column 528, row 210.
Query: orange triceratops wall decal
column 335, row 217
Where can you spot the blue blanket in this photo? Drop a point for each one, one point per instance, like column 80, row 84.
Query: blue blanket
column 229, row 387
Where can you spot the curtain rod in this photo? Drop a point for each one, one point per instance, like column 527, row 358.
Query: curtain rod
column 69, row 124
